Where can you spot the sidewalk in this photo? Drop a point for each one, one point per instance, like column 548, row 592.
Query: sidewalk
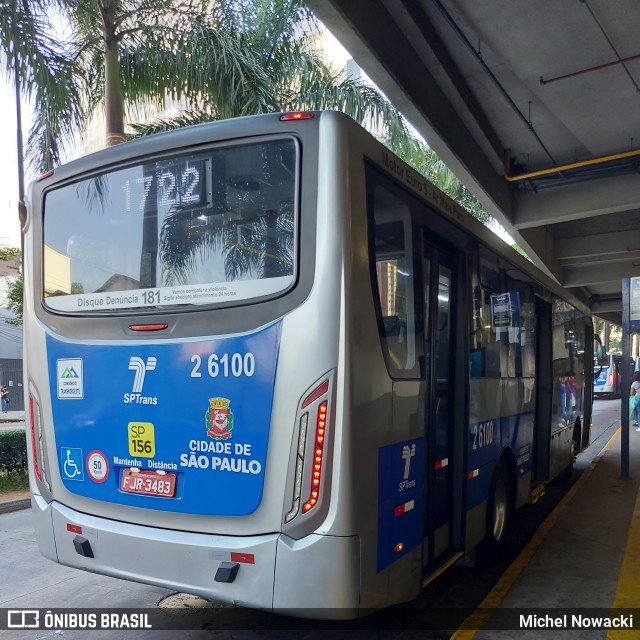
column 12, row 416
column 13, row 500
column 583, row 557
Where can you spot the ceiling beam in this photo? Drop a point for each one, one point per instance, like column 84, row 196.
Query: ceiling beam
column 590, row 275
column 602, row 244
column 606, row 306
column 577, row 201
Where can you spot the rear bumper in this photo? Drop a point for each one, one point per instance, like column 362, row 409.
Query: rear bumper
column 317, row 576
column 604, row 390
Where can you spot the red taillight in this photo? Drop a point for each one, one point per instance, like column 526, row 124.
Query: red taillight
column 34, row 447
column 316, row 393
column 318, row 456
column 610, row 379
column 37, row 442
column 45, row 175
column 148, row 327
column 296, row 115
column 312, row 450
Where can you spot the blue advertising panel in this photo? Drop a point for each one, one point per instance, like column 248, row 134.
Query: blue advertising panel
column 400, row 500
column 176, row 426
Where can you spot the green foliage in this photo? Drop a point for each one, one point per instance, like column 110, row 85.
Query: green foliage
column 14, row 300
column 253, row 57
column 520, row 250
column 424, row 160
column 13, row 452
column 10, row 253
column 47, row 75
column 13, row 481
column 220, row 59
column 274, row 38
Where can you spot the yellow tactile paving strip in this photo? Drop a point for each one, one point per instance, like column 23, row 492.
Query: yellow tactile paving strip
column 627, row 594
column 479, row 618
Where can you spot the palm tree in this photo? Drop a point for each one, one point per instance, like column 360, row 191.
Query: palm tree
column 44, row 74
column 219, row 59
column 137, row 52
column 276, row 34
column 93, row 65
column 274, row 37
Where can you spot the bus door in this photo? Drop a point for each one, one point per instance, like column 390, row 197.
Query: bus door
column 439, row 299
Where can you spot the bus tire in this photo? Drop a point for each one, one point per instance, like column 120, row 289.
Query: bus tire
column 499, row 507
column 576, row 440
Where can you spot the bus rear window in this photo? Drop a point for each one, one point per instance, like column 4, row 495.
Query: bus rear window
column 207, row 228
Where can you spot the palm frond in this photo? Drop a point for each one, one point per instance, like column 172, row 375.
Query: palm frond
column 48, row 77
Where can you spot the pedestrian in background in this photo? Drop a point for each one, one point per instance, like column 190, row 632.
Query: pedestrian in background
column 634, row 400
column 4, row 393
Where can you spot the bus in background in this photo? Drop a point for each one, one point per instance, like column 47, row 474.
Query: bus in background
column 607, row 372
column 270, row 364
column 608, row 375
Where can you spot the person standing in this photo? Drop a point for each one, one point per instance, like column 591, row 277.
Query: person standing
column 4, row 393
column 634, row 403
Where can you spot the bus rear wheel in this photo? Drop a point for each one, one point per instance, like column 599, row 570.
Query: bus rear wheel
column 576, row 440
column 498, row 513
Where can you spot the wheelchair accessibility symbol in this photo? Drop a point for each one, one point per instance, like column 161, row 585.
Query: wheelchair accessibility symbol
column 71, row 462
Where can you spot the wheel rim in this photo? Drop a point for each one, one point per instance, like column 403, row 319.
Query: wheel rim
column 500, row 510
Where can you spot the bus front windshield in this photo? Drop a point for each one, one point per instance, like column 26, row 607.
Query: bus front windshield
column 206, row 228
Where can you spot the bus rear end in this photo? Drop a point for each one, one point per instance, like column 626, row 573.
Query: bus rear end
column 608, row 378
column 182, row 431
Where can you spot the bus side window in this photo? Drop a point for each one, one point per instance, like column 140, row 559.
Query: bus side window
column 395, row 280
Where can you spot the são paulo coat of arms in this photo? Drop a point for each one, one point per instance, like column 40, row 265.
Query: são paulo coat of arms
column 219, row 419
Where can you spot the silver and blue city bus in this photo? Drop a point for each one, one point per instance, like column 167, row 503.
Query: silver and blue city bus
column 268, row 363
column 608, row 375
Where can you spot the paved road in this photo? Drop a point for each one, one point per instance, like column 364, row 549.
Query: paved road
column 27, row 580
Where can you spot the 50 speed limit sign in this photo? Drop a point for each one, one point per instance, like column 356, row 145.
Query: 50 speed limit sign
column 97, row 466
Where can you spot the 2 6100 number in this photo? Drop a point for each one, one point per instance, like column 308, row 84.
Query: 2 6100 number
column 235, row 364
column 482, row 434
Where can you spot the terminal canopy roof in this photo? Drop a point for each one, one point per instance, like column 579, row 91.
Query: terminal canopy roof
column 536, row 108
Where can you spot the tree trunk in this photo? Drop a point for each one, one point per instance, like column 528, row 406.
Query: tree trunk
column 113, row 99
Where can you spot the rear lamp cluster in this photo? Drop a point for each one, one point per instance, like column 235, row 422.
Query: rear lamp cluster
column 321, row 424
column 314, row 466
column 37, row 442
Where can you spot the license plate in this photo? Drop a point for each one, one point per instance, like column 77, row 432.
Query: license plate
column 148, row 483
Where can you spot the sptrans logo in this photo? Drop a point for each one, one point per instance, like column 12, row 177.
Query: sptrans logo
column 407, row 454
column 140, row 367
